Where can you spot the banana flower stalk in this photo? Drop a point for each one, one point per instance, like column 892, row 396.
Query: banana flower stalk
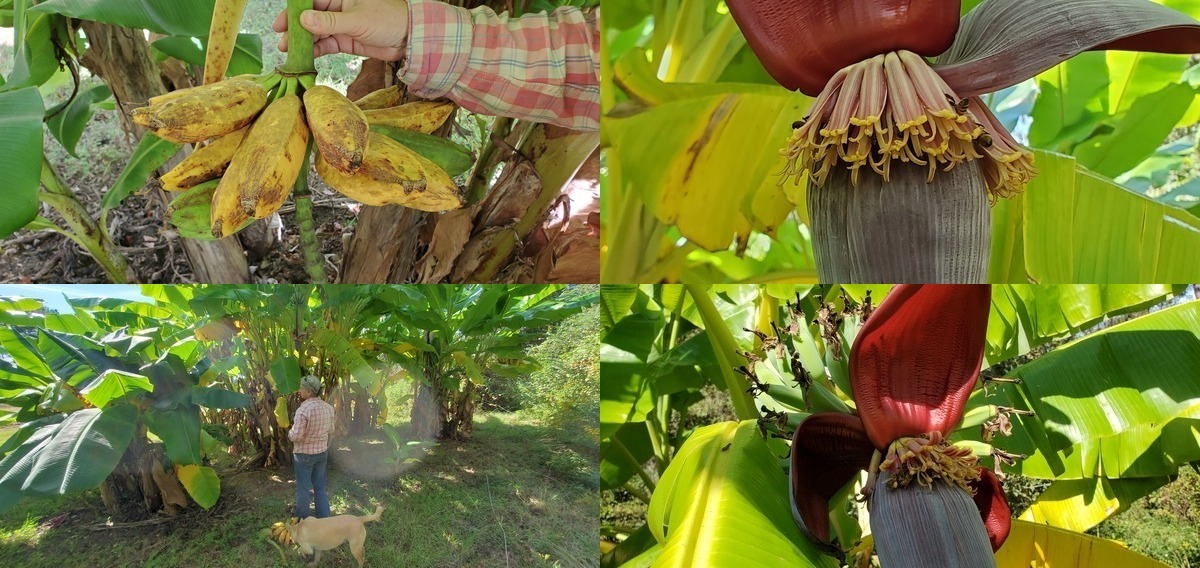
column 902, row 154
column 912, row 367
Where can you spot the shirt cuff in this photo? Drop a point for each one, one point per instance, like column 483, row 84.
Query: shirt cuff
column 439, row 46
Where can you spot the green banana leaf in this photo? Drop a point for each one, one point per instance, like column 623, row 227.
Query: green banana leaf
column 113, row 385
column 68, row 119
column 1024, row 316
column 285, row 371
column 21, row 114
column 213, row 397
column 1031, row 544
column 246, row 59
column 75, row 454
column 179, row 430
column 723, row 502
column 1120, row 403
column 168, row 17
column 151, row 152
column 1072, row 225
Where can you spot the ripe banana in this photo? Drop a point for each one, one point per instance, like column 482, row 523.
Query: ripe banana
column 261, row 175
column 222, row 36
column 454, row 158
column 207, row 163
column 338, row 127
column 383, row 98
column 421, row 116
column 393, row 174
column 200, row 113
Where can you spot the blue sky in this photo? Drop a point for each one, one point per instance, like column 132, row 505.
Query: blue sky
column 54, row 295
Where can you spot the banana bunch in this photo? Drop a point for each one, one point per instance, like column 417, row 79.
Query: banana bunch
column 261, row 130
column 280, row 533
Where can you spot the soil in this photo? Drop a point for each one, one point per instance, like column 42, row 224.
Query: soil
column 154, row 250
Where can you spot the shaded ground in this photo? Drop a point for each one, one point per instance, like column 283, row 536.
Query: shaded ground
column 516, row 494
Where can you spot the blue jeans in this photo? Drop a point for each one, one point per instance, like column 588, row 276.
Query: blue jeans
column 310, row 478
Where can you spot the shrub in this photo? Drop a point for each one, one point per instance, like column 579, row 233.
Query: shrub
column 566, row 389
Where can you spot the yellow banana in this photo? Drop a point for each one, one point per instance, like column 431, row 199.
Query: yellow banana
column 393, row 174
column 338, row 127
column 421, row 116
column 207, row 163
column 261, row 175
column 200, row 113
column 383, row 98
column 222, row 36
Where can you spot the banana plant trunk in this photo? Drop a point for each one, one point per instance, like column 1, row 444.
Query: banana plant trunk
column 907, row 230
column 139, row 487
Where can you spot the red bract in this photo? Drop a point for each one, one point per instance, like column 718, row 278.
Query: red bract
column 828, row 450
column 802, row 44
column 912, row 367
column 993, row 508
column 914, row 363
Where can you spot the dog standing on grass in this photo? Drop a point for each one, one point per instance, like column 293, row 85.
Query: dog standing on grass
column 313, row 535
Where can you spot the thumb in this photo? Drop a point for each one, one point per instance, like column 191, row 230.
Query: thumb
column 329, row 23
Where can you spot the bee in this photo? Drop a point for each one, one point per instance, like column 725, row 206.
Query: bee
column 961, row 106
column 985, row 140
column 799, row 123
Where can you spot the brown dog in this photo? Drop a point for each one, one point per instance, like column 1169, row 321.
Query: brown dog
column 313, row 535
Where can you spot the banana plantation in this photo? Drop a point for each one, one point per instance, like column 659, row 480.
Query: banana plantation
column 108, row 105
column 908, row 425
column 147, row 407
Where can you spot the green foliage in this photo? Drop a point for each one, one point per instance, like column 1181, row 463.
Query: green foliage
column 82, row 396
column 1163, row 525
column 565, row 390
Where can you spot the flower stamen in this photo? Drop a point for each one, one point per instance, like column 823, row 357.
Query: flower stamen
column 896, row 107
column 925, row 459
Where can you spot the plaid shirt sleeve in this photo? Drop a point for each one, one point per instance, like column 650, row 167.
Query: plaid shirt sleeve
column 539, row 67
column 299, row 424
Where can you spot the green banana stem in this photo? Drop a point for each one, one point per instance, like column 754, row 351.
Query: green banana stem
column 314, row 262
column 300, row 40
column 481, row 180
column 83, row 228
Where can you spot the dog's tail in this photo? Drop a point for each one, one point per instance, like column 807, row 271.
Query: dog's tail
column 374, row 517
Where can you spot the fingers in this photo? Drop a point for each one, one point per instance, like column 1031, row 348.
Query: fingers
column 280, row 25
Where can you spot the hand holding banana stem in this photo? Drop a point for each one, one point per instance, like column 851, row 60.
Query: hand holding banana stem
column 370, row 28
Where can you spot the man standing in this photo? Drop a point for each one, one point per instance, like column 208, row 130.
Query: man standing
column 310, row 434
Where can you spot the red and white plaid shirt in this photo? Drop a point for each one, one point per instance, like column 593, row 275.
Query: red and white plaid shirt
column 311, row 427
column 540, row 67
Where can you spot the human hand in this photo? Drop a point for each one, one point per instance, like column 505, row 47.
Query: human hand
column 371, row 28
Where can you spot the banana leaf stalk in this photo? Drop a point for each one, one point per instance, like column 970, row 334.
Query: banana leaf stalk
column 889, row 126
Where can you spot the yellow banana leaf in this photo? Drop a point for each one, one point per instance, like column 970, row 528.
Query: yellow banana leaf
column 723, row 503
column 1031, row 545
column 711, row 166
column 1080, row 504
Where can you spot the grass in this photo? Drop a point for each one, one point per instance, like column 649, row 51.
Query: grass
column 516, row 494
